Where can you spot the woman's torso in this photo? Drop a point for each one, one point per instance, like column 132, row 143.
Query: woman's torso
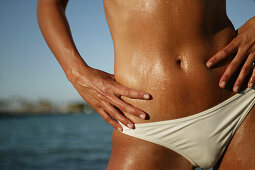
column 161, row 47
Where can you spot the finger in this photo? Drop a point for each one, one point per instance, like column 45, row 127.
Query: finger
column 116, row 114
column 243, row 73
column 125, row 107
column 252, row 79
column 232, row 68
column 109, row 119
column 222, row 54
column 131, row 93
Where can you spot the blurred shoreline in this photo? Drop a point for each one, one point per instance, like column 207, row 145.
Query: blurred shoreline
column 22, row 106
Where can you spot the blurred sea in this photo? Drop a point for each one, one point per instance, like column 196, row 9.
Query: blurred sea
column 54, row 142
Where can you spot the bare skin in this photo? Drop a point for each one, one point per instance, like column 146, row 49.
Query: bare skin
column 172, row 68
column 161, row 49
column 244, row 47
column 96, row 87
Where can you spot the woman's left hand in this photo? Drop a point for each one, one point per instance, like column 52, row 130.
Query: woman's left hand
column 244, row 47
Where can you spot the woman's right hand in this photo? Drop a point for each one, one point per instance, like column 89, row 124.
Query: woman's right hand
column 100, row 90
column 97, row 88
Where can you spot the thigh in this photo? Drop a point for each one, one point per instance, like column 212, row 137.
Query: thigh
column 240, row 154
column 137, row 154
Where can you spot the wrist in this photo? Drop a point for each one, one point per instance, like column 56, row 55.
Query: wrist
column 75, row 67
column 76, row 72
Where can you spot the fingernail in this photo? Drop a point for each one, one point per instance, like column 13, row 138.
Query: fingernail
column 142, row 116
column 146, row 96
column 236, row 88
column 223, row 84
column 209, row 64
column 250, row 85
column 119, row 129
column 130, row 126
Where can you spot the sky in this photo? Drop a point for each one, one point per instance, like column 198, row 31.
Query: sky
column 29, row 70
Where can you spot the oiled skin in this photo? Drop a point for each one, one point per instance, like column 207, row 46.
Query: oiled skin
column 161, row 47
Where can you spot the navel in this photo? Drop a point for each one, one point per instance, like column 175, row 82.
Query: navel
column 179, row 60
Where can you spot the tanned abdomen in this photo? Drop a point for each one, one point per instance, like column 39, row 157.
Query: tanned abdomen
column 161, row 47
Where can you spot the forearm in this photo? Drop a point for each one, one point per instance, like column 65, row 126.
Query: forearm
column 56, row 31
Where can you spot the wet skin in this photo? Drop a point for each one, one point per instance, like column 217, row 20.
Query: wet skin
column 161, row 47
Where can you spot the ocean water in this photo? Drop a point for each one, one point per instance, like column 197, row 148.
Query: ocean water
column 54, row 142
